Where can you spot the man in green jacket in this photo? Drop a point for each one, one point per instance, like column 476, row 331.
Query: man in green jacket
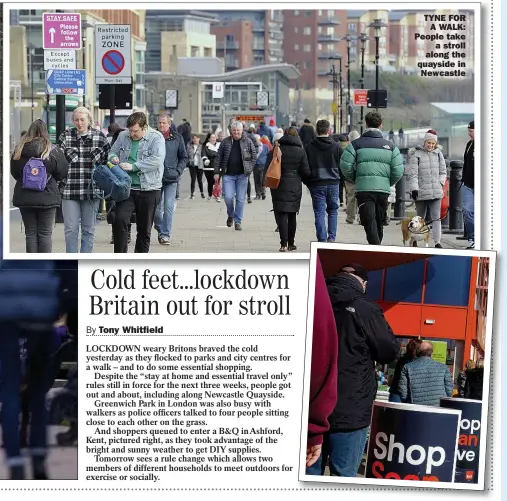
column 374, row 164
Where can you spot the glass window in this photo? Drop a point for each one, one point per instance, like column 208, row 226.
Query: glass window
column 140, row 97
column 307, row 30
column 307, row 65
column 139, row 67
column 296, row 12
column 296, row 47
column 296, row 29
column 307, row 48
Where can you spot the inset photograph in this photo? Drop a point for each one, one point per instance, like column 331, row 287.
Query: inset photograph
column 397, row 366
column 38, row 370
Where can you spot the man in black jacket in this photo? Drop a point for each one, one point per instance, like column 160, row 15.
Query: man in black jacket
column 364, row 337
column 307, row 132
column 467, row 187
column 324, row 159
column 235, row 162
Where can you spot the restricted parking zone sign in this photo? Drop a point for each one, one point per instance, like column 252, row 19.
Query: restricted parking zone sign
column 113, row 62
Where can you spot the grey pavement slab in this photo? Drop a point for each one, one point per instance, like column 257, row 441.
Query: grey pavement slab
column 199, row 226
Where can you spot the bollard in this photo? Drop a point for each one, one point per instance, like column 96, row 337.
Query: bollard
column 455, row 198
column 399, row 205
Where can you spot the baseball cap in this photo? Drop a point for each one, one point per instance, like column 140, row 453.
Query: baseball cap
column 471, row 125
column 357, row 270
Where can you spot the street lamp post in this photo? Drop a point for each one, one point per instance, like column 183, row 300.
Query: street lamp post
column 377, row 26
column 362, row 38
column 337, row 57
column 334, row 80
column 31, row 50
column 348, row 38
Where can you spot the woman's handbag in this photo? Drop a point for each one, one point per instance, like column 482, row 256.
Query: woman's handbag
column 217, row 191
column 274, row 172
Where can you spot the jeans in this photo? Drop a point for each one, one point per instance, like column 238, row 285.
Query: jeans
column 468, row 211
column 235, row 186
column 343, row 451
column 178, row 190
column 433, row 206
column 195, row 174
column 165, row 210
column 394, row 397
column 38, row 229
column 76, row 212
column 39, row 377
column 325, row 199
column 287, row 224
column 372, row 211
column 144, row 204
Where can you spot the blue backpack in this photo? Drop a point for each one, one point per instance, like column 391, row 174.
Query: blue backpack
column 113, row 181
column 35, row 176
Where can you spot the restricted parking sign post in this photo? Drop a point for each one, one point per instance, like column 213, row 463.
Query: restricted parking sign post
column 113, row 59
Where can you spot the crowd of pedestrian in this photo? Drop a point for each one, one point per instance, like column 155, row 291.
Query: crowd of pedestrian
column 366, row 167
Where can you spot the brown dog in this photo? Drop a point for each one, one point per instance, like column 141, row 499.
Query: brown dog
column 414, row 230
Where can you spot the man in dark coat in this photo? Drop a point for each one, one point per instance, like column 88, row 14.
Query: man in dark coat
column 287, row 197
column 235, row 162
column 324, row 156
column 185, row 130
column 307, row 132
column 364, row 338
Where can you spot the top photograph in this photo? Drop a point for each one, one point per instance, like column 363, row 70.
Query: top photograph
column 239, row 133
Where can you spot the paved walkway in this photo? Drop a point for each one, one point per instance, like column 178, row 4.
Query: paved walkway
column 62, row 461
column 200, row 226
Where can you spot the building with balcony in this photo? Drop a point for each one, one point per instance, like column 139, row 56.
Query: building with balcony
column 310, row 38
column 267, row 31
column 398, row 48
column 234, row 44
column 177, row 33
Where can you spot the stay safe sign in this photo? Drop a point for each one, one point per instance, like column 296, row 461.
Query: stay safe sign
column 113, row 57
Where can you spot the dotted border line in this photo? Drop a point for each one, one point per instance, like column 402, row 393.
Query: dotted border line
column 162, row 489
column 490, row 418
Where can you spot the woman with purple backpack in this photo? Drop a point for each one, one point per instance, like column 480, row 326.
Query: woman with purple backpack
column 39, row 169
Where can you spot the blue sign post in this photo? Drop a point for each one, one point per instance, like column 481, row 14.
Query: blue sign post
column 66, row 82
